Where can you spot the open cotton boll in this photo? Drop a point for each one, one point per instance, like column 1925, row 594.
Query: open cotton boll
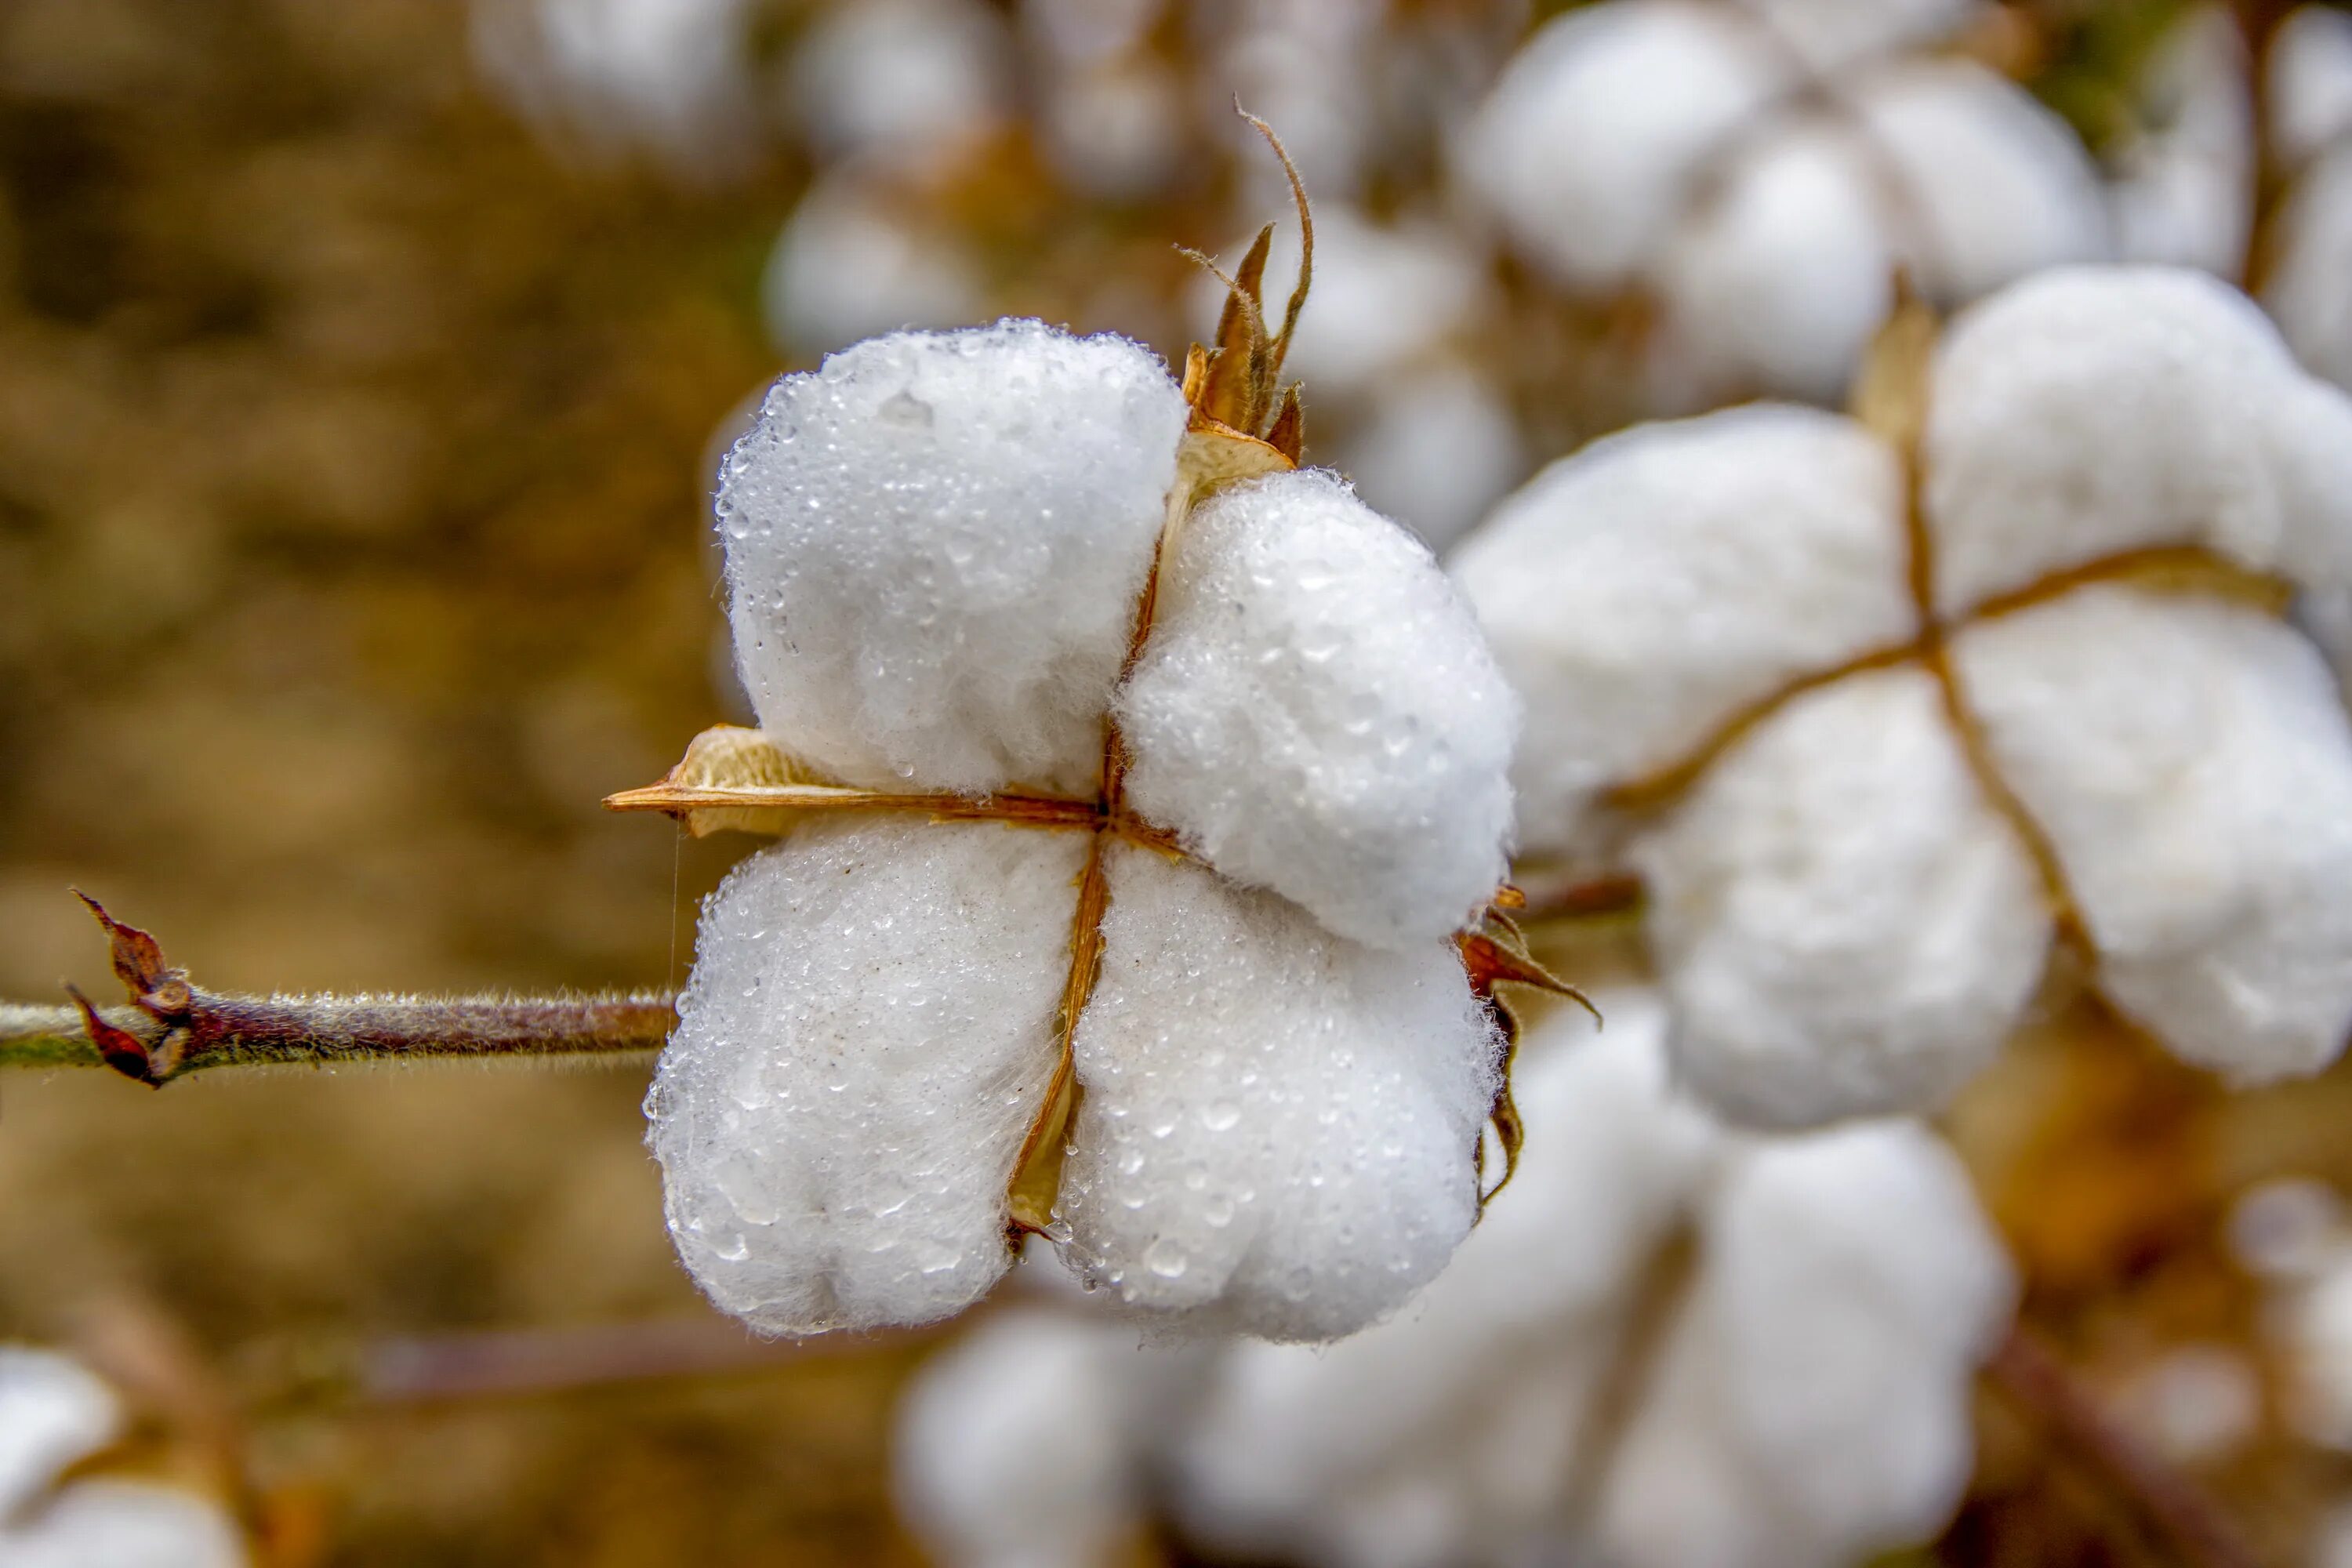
column 1585, row 144
column 1279, row 1128
column 671, row 77
column 847, row 267
column 1434, row 450
column 1996, row 186
column 2310, row 66
column 1317, row 712
column 1639, row 593
column 2191, row 763
column 1843, row 925
column 1829, row 34
column 905, row 81
column 107, row 1523
column 934, row 547
column 2184, row 189
column 866, row 1036
column 2087, row 412
column 1780, row 281
column 53, row 1412
column 2305, row 289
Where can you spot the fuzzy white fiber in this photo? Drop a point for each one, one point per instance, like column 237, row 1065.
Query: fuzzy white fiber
column 2090, row 411
column 2191, row 763
column 1279, row 1126
column 849, row 265
column 1643, row 591
column 934, row 547
column 1317, row 712
column 1843, row 924
column 865, row 1040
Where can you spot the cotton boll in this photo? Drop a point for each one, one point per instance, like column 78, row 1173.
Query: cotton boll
column 53, row 1412
column 1833, row 33
column 1116, row 128
column 1279, row 1126
column 668, row 76
column 1780, row 281
column 1994, row 186
column 1304, row 66
column 2191, row 763
column 1587, row 142
column 1640, row 594
column 2088, row 411
column 934, row 548
column 106, row 1524
column 904, row 81
column 2310, row 66
column 848, row 265
column 2305, row 289
column 1843, row 925
column 2184, row 194
column 865, row 1040
column 1434, row 450
column 1316, row 712
column 2317, row 1357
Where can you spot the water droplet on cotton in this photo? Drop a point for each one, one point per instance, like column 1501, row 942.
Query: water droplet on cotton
column 1166, row 1259
column 1219, row 1114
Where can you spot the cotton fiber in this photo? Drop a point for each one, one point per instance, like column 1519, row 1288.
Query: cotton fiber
column 1316, row 712
column 934, row 547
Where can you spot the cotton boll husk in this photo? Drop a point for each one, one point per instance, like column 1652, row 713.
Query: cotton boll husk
column 1458, row 1421
column 2184, row 191
column 53, row 1412
column 2310, row 66
column 1781, row 281
column 935, row 544
column 1278, row 1129
column 2090, row 411
column 848, row 265
column 2190, row 762
column 1641, row 592
column 1316, row 712
column 904, row 81
column 1843, row 925
column 865, row 1040
column 107, row 1523
column 2305, row 289
column 1434, row 449
column 1997, row 186
column 1586, row 144
column 1831, row 33
column 1024, row 1444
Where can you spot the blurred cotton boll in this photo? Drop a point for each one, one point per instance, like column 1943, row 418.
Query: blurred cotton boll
column 1434, row 450
column 672, row 78
column 2310, row 246
column 2310, row 66
column 854, row 261
column 2184, row 188
column 901, row 83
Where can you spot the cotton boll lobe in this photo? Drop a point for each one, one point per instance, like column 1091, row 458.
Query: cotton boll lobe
column 2184, row 193
column 848, row 267
column 1278, row 1128
column 1641, row 593
column 2191, row 763
column 2310, row 66
column 1843, row 925
column 1434, row 450
column 2313, row 254
column 906, row 82
column 866, row 1036
column 1585, row 145
column 1317, row 713
column 934, row 548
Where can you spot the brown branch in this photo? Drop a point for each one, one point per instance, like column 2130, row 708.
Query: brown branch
column 2039, row 1385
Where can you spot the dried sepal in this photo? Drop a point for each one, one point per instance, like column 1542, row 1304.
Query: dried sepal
column 1288, row 434
column 1890, row 390
column 1236, row 385
column 1036, row 1183
column 1494, row 953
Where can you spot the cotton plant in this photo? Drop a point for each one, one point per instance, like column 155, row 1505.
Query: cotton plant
column 59, row 1511
column 1143, row 796
column 2308, row 254
column 1881, row 711
column 1671, row 1343
column 1759, row 170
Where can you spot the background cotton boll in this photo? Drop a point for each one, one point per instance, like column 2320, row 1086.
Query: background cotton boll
column 1116, row 128
column 850, row 263
column 1293, row 739
column 2318, row 1356
column 53, row 1412
column 866, row 1036
column 103, row 1523
column 1780, row 278
column 2310, row 66
column 1585, row 145
column 1278, row 1131
column 1831, row 33
column 2086, row 411
column 2184, row 188
column 2191, row 765
column 934, row 547
column 1303, row 66
column 2305, row 289
column 1843, row 926
column 1996, row 186
column 905, row 82
column 672, row 77
column 1434, row 450
column 1639, row 593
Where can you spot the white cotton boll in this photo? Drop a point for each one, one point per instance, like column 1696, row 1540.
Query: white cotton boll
column 2318, row 1360
column 2305, row 289
column 1434, row 450
column 1588, row 140
column 2184, row 188
column 2190, row 762
column 848, row 267
column 1304, row 66
column 905, row 81
column 671, row 76
column 1023, row 1444
column 934, row 547
column 1780, row 280
column 1316, row 712
column 1116, row 128
column 1843, row 925
column 107, row 1524
column 53, row 1412
column 1278, row 1129
column 1996, row 186
column 2090, row 411
column 867, row 1037
column 1641, row 592
column 2310, row 66
column 1831, row 33
column 2288, row 1229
